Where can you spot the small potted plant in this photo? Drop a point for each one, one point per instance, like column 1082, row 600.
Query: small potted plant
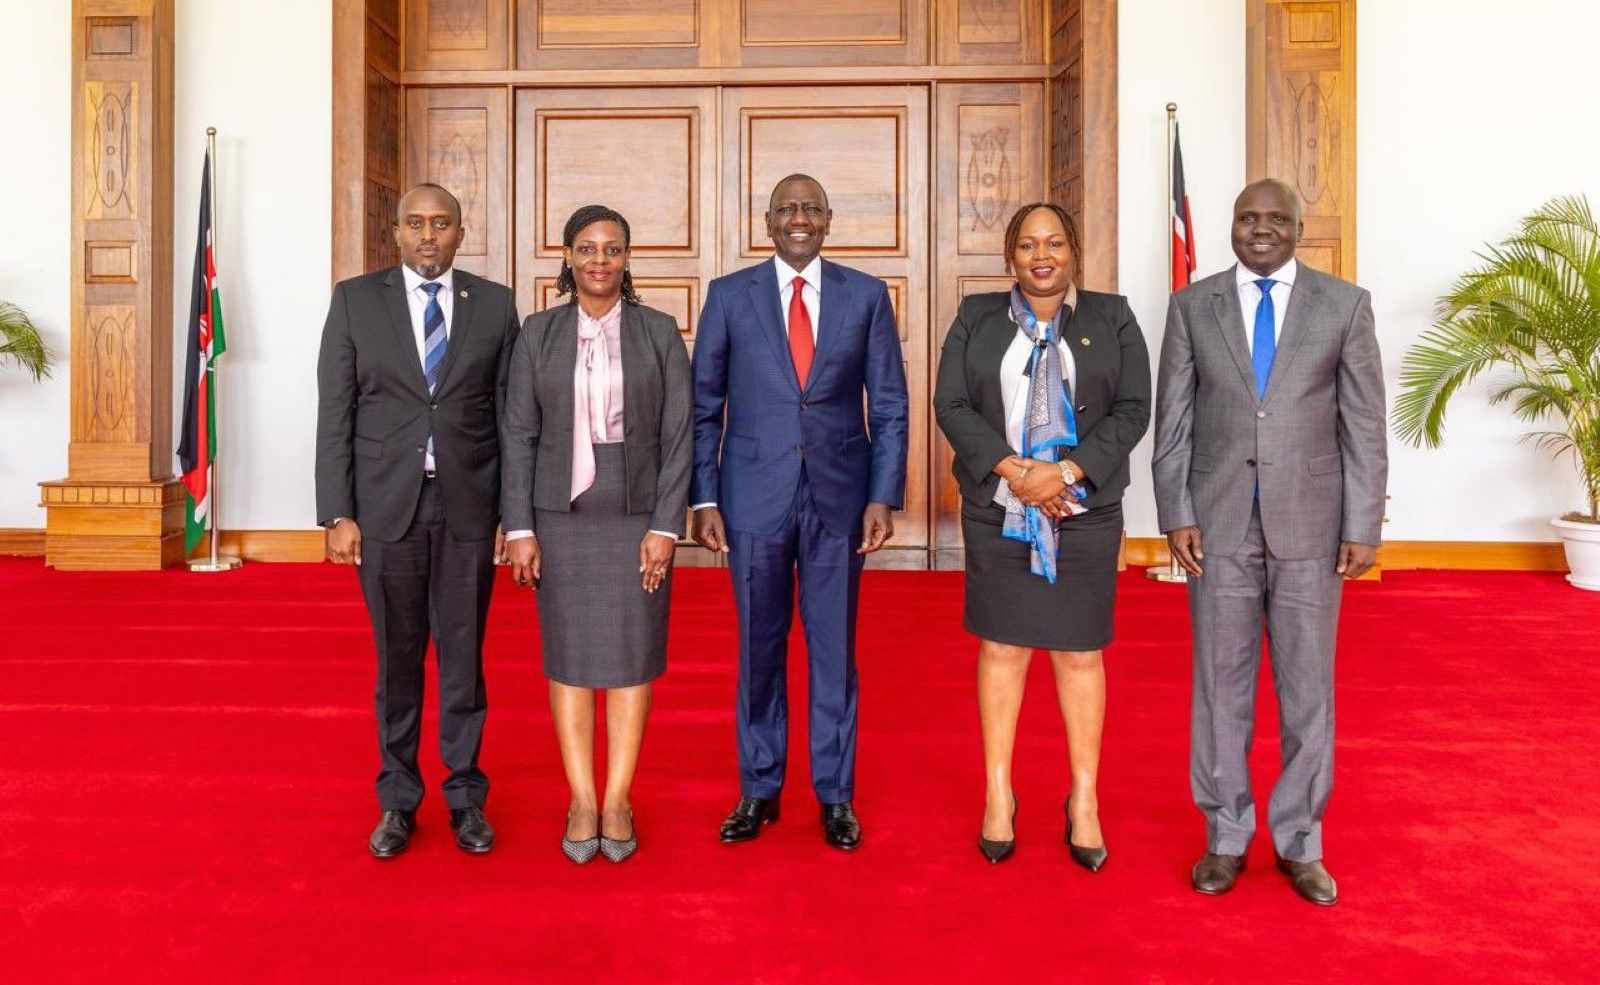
column 1532, row 309
column 20, row 342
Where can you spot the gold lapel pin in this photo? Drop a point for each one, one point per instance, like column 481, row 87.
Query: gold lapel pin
column 464, row 294
column 1084, row 340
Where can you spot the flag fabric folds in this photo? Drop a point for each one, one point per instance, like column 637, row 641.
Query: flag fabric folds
column 1178, row 210
column 197, row 443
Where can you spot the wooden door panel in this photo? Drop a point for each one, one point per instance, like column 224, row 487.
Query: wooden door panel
column 868, row 147
column 990, row 32
column 824, row 32
column 622, row 34
column 649, row 154
column 990, row 158
column 456, row 34
column 457, row 138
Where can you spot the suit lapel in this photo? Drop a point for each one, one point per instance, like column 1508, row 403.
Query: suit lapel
column 562, row 351
column 460, row 323
column 394, row 300
column 1305, row 297
column 1230, row 324
column 764, row 297
column 834, row 302
column 635, row 365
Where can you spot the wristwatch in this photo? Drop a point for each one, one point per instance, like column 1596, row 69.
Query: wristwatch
column 334, row 522
column 1066, row 473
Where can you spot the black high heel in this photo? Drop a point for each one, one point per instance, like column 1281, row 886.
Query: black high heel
column 998, row 851
column 1089, row 858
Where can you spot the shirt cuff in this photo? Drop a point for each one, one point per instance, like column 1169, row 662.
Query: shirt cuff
column 512, row 535
column 700, row 506
column 666, row 533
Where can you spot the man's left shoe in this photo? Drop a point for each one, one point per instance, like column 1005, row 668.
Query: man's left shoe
column 840, row 828
column 474, row 834
column 1311, row 881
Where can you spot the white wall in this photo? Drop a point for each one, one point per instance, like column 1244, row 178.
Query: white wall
column 1468, row 118
column 1192, row 54
column 36, row 75
column 261, row 74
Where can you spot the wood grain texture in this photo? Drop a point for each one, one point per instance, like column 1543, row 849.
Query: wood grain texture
column 1300, row 118
column 121, row 299
column 825, row 32
column 621, row 34
column 1083, row 129
column 457, row 138
column 989, row 32
column 456, row 34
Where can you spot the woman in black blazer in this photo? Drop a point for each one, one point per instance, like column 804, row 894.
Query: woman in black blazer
column 595, row 485
column 1042, row 462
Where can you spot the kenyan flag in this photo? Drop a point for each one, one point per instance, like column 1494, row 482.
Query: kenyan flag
column 197, row 445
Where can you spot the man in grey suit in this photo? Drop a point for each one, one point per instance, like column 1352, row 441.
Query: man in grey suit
column 1270, row 464
column 409, row 381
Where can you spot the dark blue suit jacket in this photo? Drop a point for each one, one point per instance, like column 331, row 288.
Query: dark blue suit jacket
column 748, row 462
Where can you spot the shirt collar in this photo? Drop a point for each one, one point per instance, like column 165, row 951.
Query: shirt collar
column 415, row 280
column 1070, row 302
column 812, row 273
column 1283, row 275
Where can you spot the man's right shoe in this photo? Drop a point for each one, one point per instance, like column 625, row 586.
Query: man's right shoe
column 392, row 834
column 1215, row 874
column 745, row 822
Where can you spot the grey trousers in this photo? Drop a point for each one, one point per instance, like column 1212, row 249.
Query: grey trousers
column 1297, row 601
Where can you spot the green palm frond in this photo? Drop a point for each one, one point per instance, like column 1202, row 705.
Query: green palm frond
column 1531, row 308
column 20, row 341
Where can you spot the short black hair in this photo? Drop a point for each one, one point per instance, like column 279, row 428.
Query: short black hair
column 455, row 203
column 797, row 176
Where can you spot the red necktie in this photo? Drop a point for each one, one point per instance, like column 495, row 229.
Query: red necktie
column 801, row 345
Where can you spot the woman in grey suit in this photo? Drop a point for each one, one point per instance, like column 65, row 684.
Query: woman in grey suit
column 594, row 492
column 1043, row 391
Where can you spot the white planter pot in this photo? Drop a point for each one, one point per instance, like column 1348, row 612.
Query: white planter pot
column 1582, row 541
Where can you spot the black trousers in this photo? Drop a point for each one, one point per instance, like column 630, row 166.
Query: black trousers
column 429, row 583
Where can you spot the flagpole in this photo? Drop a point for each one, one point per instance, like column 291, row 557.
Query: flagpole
column 216, row 562
column 1173, row 573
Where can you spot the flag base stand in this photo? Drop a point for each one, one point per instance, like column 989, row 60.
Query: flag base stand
column 222, row 563
column 1173, row 573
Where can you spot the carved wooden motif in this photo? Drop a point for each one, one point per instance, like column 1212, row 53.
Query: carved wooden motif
column 1083, row 129
column 990, row 32
column 456, row 34
column 457, row 138
column 1300, row 117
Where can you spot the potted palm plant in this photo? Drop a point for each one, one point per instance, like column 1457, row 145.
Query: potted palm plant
column 20, row 342
column 1532, row 309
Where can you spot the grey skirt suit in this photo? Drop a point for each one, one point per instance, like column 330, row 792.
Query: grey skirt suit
column 598, row 626
column 1005, row 602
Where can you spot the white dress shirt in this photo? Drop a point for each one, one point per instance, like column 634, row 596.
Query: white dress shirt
column 417, row 301
column 810, row 296
column 1250, row 299
column 1014, row 382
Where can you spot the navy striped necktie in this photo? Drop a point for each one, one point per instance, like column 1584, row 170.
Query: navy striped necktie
column 434, row 340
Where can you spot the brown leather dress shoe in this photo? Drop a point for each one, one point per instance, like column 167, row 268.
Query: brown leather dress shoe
column 1311, row 881
column 1215, row 874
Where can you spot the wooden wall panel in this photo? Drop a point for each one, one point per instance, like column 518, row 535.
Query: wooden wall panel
column 989, row 32
column 366, row 150
column 457, row 138
column 648, row 153
column 824, row 32
column 110, row 509
column 1083, row 129
column 623, row 34
column 868, row 146
column 456, row 34
column 990, row 158
column 1300, row 118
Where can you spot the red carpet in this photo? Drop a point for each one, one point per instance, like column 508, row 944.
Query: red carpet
column 185, row 793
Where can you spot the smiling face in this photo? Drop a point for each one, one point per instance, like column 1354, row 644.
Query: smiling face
column 598, row 255
column 1266, row 227
column 428, row 230
column 797, row 220
column 1042, row 260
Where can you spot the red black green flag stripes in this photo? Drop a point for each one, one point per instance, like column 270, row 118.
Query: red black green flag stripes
column 1178, row 209
column 197, row 445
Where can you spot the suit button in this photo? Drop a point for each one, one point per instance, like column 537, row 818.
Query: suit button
column 1261, row 413
column 1250, row 462
column 433, row 406
column 420, row 450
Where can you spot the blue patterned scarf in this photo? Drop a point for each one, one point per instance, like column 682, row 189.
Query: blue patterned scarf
column 1049, row 430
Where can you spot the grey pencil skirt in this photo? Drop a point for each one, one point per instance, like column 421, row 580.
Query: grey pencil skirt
column 1009, row 604
column 597, row 624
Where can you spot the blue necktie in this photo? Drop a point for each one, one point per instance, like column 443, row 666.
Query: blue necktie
column 1265, row 343
column 434, row 342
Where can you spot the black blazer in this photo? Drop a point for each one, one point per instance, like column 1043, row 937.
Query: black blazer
column 657, row 443
column 374, row 409
column 1112, row 398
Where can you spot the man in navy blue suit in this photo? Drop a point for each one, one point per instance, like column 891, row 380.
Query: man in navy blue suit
column 791, row 478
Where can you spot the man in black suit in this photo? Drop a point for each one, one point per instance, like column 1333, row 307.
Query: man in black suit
column 410, row 380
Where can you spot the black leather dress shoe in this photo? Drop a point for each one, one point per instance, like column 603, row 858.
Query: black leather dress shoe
column 1311, row 881
column 392, row 834
column 1215, row 874
column 474, row 833
column 747, row 817
column 840, row 828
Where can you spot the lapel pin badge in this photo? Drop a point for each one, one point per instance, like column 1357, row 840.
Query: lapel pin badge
column 464, row 294
column 1084, row 340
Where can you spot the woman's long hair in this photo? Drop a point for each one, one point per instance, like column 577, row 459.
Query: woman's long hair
column 587, row 215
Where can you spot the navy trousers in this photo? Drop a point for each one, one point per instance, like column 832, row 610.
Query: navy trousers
column 764, row 571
